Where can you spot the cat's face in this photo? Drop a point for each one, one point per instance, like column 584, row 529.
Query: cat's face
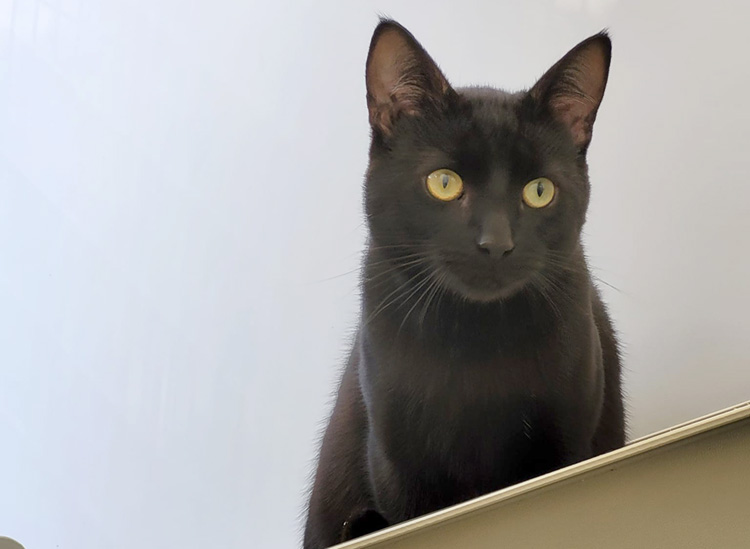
column 483, row 189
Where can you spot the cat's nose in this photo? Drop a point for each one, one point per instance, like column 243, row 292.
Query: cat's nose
column 491, row 245
column 495, row 236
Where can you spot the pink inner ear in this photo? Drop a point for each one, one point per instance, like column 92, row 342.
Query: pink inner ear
column 387, row 86
column 386, row 60
column 577, row 114
column 576, row 102
column 400, row 76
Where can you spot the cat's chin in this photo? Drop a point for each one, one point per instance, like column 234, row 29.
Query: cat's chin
column 490, row 293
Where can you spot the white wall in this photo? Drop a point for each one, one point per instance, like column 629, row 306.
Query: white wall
column 179, row 181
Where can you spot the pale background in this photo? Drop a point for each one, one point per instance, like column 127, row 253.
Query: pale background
column 179, row 181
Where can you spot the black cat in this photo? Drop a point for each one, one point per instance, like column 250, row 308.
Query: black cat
column 484, row 355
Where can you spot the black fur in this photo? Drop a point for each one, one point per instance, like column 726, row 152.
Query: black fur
column 474, row 367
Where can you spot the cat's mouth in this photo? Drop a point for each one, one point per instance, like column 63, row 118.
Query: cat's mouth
column 485, row 283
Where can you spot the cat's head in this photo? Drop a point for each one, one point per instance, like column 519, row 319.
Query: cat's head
column 482, row 188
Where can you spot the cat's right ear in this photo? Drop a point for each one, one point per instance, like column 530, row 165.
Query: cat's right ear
column 402, row 79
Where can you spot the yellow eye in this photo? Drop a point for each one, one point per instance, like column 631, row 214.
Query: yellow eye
column 539, row 192
column 445, row 185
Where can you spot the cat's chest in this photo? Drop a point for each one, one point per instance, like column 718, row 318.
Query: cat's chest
column 445, row 397
column 460, row 403
column 464, row 396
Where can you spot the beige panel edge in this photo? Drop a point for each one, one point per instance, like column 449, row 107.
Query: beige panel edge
column 636, row 448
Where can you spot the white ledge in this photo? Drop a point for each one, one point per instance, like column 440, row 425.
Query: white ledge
column 684, row 487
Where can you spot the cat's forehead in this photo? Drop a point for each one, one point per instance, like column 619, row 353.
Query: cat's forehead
column 492, row 107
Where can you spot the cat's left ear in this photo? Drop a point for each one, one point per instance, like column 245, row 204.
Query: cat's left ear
column 573, row 88
column 402, row 79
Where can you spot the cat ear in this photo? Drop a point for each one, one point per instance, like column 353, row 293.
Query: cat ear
column 401, row 77
column 574, row 87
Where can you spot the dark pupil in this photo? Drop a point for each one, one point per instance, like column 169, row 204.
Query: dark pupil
column 446, row 179
column 539, row 189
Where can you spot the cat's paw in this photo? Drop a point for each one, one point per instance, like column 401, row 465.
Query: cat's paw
column 362, row 523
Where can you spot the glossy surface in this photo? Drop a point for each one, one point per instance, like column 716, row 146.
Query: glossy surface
column 445, row 185
column 662, row 490
column 539, row 192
